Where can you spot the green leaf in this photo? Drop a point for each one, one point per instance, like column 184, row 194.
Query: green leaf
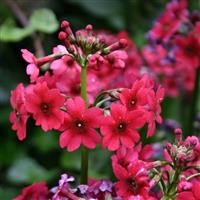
column 10, row 33
column 7, row 193
column 44, row 20
column 27, row 170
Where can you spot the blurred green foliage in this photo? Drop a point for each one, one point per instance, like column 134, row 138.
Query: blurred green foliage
column 39, row 156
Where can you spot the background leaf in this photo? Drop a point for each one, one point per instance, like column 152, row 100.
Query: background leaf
column 10, row 33
column 44, row 20
column 27, row 170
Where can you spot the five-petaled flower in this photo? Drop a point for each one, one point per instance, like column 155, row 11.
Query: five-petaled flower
column 79, row 125
column 120, row 127
column 44, row 105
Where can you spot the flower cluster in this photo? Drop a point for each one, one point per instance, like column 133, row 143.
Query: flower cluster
column 173, row 52
column 96, row 89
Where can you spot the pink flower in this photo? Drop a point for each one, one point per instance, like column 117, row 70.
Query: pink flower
column 19, row 116
column 154, row 100
column 190, row 194
column 79, row 125
column 96, row 61
column 120, row 127
column 117, row 58
column 65, row 64
column 36, row 191
column 136, row 97
column 188, row 49
column 32, row 68
column 44, row 104
column 132, row 182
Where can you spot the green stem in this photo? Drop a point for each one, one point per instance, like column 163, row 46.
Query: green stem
column 84, row 150
column 194, row 102
column 172, row 187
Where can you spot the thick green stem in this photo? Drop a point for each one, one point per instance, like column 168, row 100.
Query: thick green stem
column 194, row 102
column 84, row 150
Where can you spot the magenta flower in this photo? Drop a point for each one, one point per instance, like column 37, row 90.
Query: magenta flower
column 79, row 125
column 133, row 181
column 154, row 100
column 117, row 59
column 188, row 50
column 32, row 68
column 136, row 97
column 44, row 104
column 120, row 127
column 191, row 194
column 19, row 116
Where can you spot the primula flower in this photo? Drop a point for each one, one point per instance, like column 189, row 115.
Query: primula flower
column 79, row 125
column 96, row 61
column 32, row 68
column 191, row 194
column 65, row 64
column 44, row 104
column 188, row 49
column 154, row 100
column 132, row 182
column 36, row 191
column 117, row 58
column 120, row 127
column 136, row 97
column 19, row 116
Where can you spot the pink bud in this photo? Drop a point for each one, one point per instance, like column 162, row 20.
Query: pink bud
column 62, row 35
column 64, row 24
column 89, row 27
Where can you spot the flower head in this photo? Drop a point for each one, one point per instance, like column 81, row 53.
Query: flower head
column 19, row 116
column 120, row 127
column 79, row 125
column 44, row 104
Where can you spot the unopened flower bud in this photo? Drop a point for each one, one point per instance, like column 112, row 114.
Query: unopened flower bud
column 64, row 24
column 62, row 35
column 178, row 134
column 89, row 27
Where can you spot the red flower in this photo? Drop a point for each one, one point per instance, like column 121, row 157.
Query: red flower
column 44, row 104
column 32, row 68
column 188, row 50
column 79, row 125
column 154, row 100
column 121, row 126
column 136, row 97
column 19, row 116
column 36, row 191
column 133, row 181
column 192, row 194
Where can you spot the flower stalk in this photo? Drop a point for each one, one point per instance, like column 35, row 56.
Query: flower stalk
column 84, row 150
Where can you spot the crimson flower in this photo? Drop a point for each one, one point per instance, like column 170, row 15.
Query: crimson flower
column 191, row 194
column 32, row 68
column 19, row 116
column 121, row 126
column 154, row 100
column 44, row 104
column 36, row 191
column 136, row 97
column 133, row 181
column 188, row 50
column 79, row 125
